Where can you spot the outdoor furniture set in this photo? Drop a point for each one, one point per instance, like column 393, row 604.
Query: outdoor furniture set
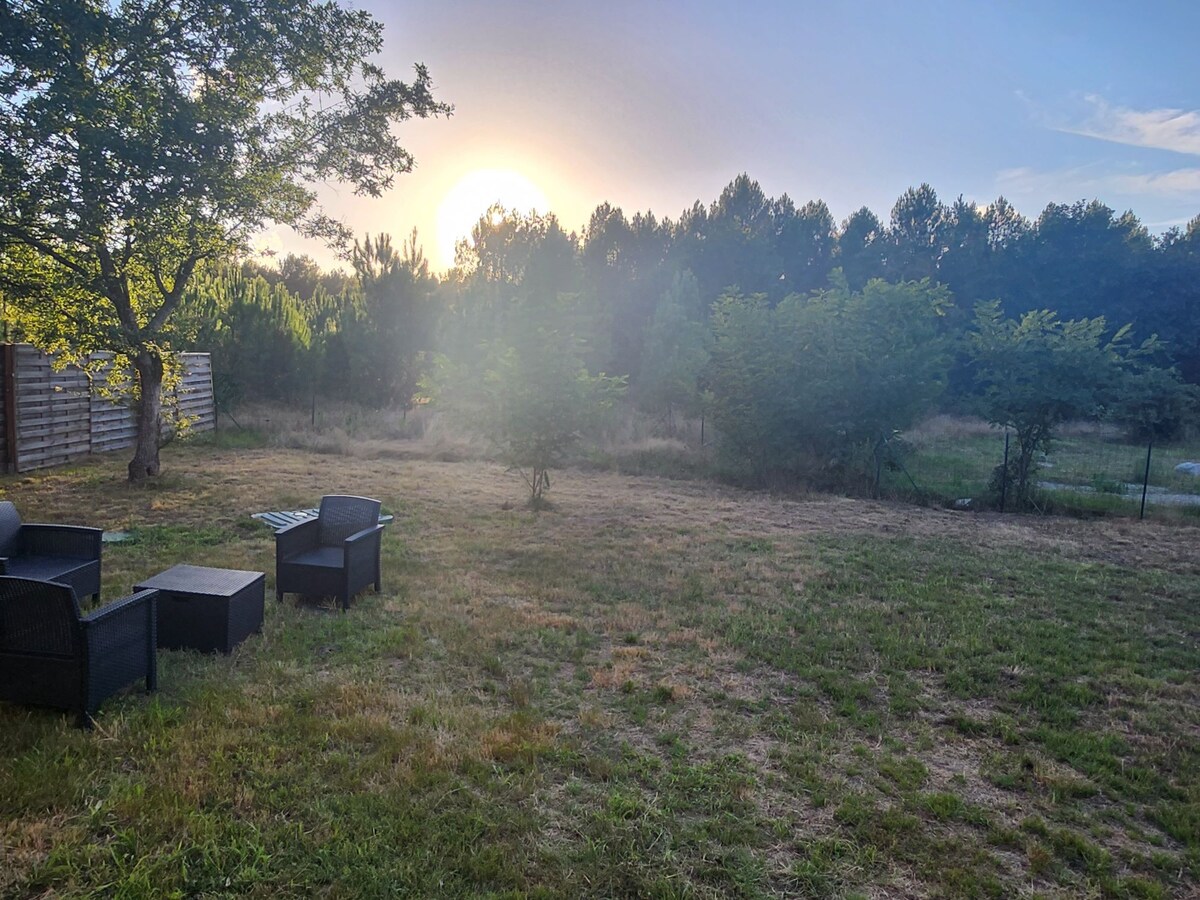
column 51, row 654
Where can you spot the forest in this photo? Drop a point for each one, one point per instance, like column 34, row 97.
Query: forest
column 806, row 343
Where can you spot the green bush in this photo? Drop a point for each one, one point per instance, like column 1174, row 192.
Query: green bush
column 814, row 389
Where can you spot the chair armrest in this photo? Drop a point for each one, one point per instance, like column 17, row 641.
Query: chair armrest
column 127, row 622
column 61, row 540
column 121, row 611
column 364, row 535
column 363, row 543
column 296, row 537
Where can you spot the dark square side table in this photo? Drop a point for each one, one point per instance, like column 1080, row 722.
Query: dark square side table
column 206, row 609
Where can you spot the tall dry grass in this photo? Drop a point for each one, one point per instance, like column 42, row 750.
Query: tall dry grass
column 629, row 440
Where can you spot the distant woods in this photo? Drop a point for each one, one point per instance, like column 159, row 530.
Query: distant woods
column 287, row 333
column 665, row 303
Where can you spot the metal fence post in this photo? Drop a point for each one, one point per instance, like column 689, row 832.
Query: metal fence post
column 878, row 468
column 1146, row 479
column 1004, row 474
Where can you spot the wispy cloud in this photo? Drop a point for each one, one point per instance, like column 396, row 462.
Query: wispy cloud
column 1085, row 182
column 1162, row 129
column 1057, row 184
column 1168, row 184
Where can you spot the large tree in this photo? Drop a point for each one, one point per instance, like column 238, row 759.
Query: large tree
column 917, row 234
column 139, row 138
column 862, row 248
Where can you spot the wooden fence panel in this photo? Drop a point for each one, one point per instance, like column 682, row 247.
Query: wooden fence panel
column 195, row 392
column 114, row 425
column 59, row 416
column 7, row 410
column 53, row 411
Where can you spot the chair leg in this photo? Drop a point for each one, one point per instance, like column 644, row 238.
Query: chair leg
column 278, row 595
column 84, row 720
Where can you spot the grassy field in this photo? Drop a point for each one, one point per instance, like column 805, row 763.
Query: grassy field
column 655, row 688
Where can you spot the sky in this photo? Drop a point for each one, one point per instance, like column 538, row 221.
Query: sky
column 654, row 105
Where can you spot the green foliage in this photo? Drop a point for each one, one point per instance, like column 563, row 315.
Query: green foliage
column 390, row 328
column 535, row 397
column 1154, row 405
column 512, row 263
column 811, row 388
column 140, row 139
column 1035, row 373
column 541, row 400
column 862, row 248
column 919, row 221
column 257, row 333
column 674, row 354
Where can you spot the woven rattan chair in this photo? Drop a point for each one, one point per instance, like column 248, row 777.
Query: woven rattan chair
column 68, row 554
column 50, row 655
column 336, row 554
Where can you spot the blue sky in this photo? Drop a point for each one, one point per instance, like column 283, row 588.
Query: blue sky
column 655, row 105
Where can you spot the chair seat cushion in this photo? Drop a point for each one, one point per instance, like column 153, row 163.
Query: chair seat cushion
column 318, row 557
column 44, row 568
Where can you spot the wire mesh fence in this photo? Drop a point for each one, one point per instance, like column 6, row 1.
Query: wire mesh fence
column 1088, row 470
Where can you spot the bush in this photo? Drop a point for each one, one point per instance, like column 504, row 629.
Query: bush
column 535, row 397
column 814, row 389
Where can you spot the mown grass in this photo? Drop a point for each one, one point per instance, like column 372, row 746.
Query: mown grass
column 653, row 688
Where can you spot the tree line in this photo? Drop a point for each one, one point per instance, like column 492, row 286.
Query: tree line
column 807, row 344
column 142, row 146
column 1079, row 260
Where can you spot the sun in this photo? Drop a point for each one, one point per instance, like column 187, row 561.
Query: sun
column 470, row 198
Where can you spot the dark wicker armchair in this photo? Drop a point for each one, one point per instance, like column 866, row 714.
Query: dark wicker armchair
column 50, row 655
column 68, row 554
column 335, row 554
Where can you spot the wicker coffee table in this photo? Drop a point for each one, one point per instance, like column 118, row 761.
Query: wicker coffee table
column 206, row 609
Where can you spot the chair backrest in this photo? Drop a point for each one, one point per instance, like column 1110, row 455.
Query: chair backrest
column 10, row 528
column 341, row 516
column 39, row 617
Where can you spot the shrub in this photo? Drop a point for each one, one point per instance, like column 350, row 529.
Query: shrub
column 815, row 388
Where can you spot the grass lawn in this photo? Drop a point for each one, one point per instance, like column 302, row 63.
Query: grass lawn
column 655, row 688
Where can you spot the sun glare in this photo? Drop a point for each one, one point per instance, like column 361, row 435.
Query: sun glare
column 470, row 198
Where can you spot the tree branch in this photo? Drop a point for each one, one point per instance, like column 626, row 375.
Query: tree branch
column 173, row 296
column 25, row 237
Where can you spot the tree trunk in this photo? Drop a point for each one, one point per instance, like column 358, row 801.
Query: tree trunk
column 149, row 367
